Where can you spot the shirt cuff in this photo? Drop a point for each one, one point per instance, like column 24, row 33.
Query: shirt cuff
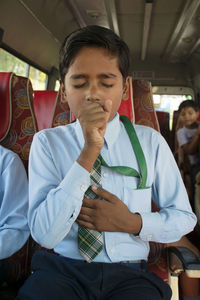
column 152, row 228
column 76, row 182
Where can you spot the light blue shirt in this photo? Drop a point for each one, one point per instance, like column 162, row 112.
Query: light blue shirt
column 58, row 184
column 14, row 230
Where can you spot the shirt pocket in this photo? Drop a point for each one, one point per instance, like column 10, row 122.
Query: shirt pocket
column 137, row 200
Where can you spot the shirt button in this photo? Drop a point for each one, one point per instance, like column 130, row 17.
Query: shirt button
column 149, row 237
column 112, row 250
column 105, row 175
column 83, row 187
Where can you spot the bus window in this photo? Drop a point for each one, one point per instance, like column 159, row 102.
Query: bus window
column 169, row 102
column 10, row 63
column 57, row 86
column 38, row 79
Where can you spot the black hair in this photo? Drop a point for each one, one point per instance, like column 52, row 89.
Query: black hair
column 97, row 37
column 188, row 103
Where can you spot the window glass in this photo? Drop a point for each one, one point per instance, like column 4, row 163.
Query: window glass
column 38, row 79
column 10, row 63
column 57, row 85
column 169, row 103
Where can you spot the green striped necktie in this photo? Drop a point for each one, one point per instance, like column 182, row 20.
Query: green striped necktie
column 90, row 242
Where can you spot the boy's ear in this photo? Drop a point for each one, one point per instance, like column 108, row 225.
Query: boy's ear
column 125, row 94
column 63, row 92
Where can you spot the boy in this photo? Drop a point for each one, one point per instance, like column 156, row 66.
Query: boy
column 102, row 244
column 188, row 138
column 14, row 230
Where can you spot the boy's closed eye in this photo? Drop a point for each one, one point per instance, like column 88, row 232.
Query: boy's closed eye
column 81, row 85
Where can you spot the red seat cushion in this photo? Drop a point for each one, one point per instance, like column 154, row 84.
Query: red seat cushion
column 43, row 104
column 5, row 111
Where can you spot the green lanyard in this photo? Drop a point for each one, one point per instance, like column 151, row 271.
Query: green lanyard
column 138, row 153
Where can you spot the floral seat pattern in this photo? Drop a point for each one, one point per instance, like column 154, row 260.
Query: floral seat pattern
column 21, row 126
column 16, row 133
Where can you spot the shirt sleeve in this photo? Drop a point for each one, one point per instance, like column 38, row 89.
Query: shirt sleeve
column 54, row 202
column 175, row 217
column 14, row 230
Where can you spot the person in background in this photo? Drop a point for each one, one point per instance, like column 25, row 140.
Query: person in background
column 92, row 181
column 188, row 139
column 14, row 229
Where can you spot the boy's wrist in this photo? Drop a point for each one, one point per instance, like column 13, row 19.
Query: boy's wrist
column 88, row 157
column 134, row 224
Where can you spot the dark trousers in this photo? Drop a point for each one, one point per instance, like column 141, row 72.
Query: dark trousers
column 54, row 277
column 4, row 267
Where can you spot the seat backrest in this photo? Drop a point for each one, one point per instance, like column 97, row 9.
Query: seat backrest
column 17, row 127
column 49, row 110
column 145, row 115
column 43, row 104
column 143, row 104
column 164, row 119
column 17, row 122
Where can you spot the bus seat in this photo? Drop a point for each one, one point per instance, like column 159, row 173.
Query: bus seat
column 163, row 260
column 198, row 119
column 144, row 112
column 163, row 119
column 49, row 110
column 17, row 127
column 61, row 113
column 43, row 105
column 17, row 122
column 174, row 129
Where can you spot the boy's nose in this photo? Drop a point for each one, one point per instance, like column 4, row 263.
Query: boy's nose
column 93, row 94
column 92, row 99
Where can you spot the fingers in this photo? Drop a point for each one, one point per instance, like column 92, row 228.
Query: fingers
column 86, row 224
column 85, row 218
column 104, row 194
column 93, row 113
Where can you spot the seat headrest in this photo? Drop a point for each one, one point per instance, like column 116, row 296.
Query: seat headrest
column 5, row 102
column 43, row 103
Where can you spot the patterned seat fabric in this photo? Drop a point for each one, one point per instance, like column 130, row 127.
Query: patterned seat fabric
column 145, row 115
column 143, row 104
column 16, row 103
column 49, row 110
column 17, row 127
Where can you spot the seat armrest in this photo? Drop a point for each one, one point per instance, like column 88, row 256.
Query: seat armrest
column 182, row 259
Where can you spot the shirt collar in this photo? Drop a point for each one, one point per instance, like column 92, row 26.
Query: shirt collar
column 111, row 134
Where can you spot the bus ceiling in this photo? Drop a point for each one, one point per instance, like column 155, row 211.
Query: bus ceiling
column 163, row 36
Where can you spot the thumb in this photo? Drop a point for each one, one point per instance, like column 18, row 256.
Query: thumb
column 107, row 107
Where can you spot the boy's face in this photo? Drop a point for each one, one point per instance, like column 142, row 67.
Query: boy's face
column 189, row 116
column 93, row 76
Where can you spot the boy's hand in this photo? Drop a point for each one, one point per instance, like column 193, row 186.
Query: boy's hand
column 93, row 117
column 110, row 214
